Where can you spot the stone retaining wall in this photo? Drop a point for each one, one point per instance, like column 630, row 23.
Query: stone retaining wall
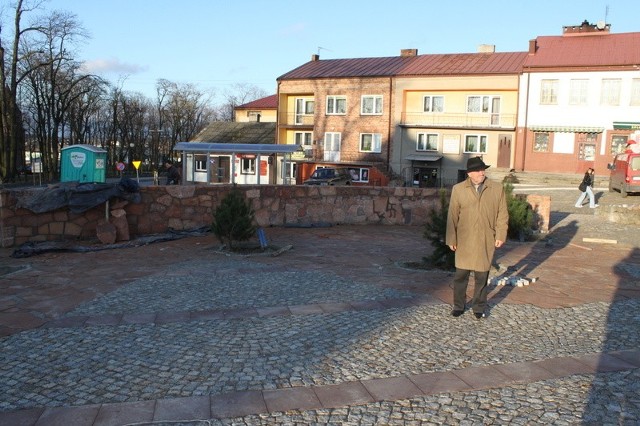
column 190, row 207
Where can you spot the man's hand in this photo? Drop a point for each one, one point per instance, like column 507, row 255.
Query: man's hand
column 499, row 243
column 453, row 247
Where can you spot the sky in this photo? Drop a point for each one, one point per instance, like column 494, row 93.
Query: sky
column 216, row 44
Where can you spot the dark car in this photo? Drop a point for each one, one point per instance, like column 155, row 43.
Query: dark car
column 329, row 176
column 24, row 170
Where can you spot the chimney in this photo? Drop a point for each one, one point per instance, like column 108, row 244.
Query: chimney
column 315, row 58
column 487, row 48
column 408, row 52
column 599, row 28
column 533, row 46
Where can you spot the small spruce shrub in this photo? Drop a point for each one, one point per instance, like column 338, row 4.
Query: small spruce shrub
column 520, row 215
column 233, row 220
column 435, row 230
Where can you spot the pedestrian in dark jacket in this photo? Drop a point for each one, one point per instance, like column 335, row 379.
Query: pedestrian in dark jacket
column 586, row 186
column 477, row 224
column 173, row 174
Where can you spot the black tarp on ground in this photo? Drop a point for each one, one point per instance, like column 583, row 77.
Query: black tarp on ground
column 79, row 197
column 35, row 248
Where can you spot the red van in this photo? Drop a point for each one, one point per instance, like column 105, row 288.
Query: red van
column 625, row 173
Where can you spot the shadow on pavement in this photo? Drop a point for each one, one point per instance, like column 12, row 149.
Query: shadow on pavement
column 540, row 251
column 606, row 403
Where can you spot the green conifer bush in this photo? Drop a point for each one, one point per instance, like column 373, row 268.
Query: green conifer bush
column 233, row 220
column 520, row 215
column 435, row 230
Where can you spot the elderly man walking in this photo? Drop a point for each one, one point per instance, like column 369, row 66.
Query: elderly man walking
column 477, row 224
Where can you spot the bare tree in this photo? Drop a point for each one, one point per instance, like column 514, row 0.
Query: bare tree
column 185, row 111
column 12, row 72
column 54, row 88
column 84, row 108
column 45, row 91
column 239, row 94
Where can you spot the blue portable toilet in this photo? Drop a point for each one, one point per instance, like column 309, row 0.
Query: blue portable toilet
column 83, row 163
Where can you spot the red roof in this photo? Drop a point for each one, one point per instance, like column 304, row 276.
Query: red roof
column 262, row 103
column 420, row 65
column 598, row 50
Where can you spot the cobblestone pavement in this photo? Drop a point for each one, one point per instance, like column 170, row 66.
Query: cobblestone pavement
column 336, row 330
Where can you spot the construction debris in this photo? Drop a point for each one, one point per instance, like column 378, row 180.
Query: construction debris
column 514, row 281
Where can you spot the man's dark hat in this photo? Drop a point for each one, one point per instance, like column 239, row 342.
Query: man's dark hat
column 476, row 164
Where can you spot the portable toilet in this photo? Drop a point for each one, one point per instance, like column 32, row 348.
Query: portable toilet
column 83, row 163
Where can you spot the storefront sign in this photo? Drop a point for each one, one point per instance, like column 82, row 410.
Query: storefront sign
column 626, row 125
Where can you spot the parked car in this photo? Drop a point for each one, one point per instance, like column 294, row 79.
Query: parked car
column 625, row 173
column 329, row 176
column 24, row 170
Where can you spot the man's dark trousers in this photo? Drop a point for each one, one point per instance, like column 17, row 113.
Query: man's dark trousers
column 480, row 290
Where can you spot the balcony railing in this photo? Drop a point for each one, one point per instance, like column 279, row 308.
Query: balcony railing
column 464, row 120
column 470, row 120
column 293, row 119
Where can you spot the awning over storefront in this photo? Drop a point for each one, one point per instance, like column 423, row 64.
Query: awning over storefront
column 423, row 157
column 567, row 129
column 626, row 125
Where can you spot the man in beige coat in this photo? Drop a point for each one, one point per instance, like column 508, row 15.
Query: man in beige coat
column 477, row 224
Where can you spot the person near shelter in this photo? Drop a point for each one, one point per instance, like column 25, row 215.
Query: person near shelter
column 586, row 186
column 173, row 174
column 477, row 223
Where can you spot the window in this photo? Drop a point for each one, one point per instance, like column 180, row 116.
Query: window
column 475, row 144
column 427, row 142
column 371, row 105
column 485, row 105
column 336, row 105
column 478, row 104
column 303, row 138
column 578, row 92
column 587, row 152
column 618, row 144
column 290, row 171
column 200, row 162
column 610, row 94
column 635, row 91
column 359, row 174
column 433, row 103
column 587, row 146
column 248, row 166
column 370, row 142
column 332, row 143
column 541, row 142
column 304, row 111
column 549, row 92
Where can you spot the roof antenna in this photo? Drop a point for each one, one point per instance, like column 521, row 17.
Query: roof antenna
column 322, row 48
column 606, row 14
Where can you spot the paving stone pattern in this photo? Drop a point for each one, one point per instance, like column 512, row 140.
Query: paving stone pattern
column 223, row 284
column 337, row 331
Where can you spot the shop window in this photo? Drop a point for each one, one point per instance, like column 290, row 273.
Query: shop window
column 541, row 142
column 618, row 144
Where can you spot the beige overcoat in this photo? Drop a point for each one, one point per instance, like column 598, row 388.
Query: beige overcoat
column 474, row 223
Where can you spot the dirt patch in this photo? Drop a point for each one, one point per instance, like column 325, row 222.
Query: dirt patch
column 9, row 270
column 253, row 249
column 422, row 266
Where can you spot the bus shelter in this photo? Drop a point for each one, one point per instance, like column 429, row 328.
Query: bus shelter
column 252, row 164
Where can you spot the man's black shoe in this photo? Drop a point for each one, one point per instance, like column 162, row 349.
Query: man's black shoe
column 479, row 315
column 457, row 313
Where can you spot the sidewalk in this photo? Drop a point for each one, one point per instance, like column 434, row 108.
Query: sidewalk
column 336, row 330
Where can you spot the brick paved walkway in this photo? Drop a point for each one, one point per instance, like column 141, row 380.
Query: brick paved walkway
column 335, row 330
